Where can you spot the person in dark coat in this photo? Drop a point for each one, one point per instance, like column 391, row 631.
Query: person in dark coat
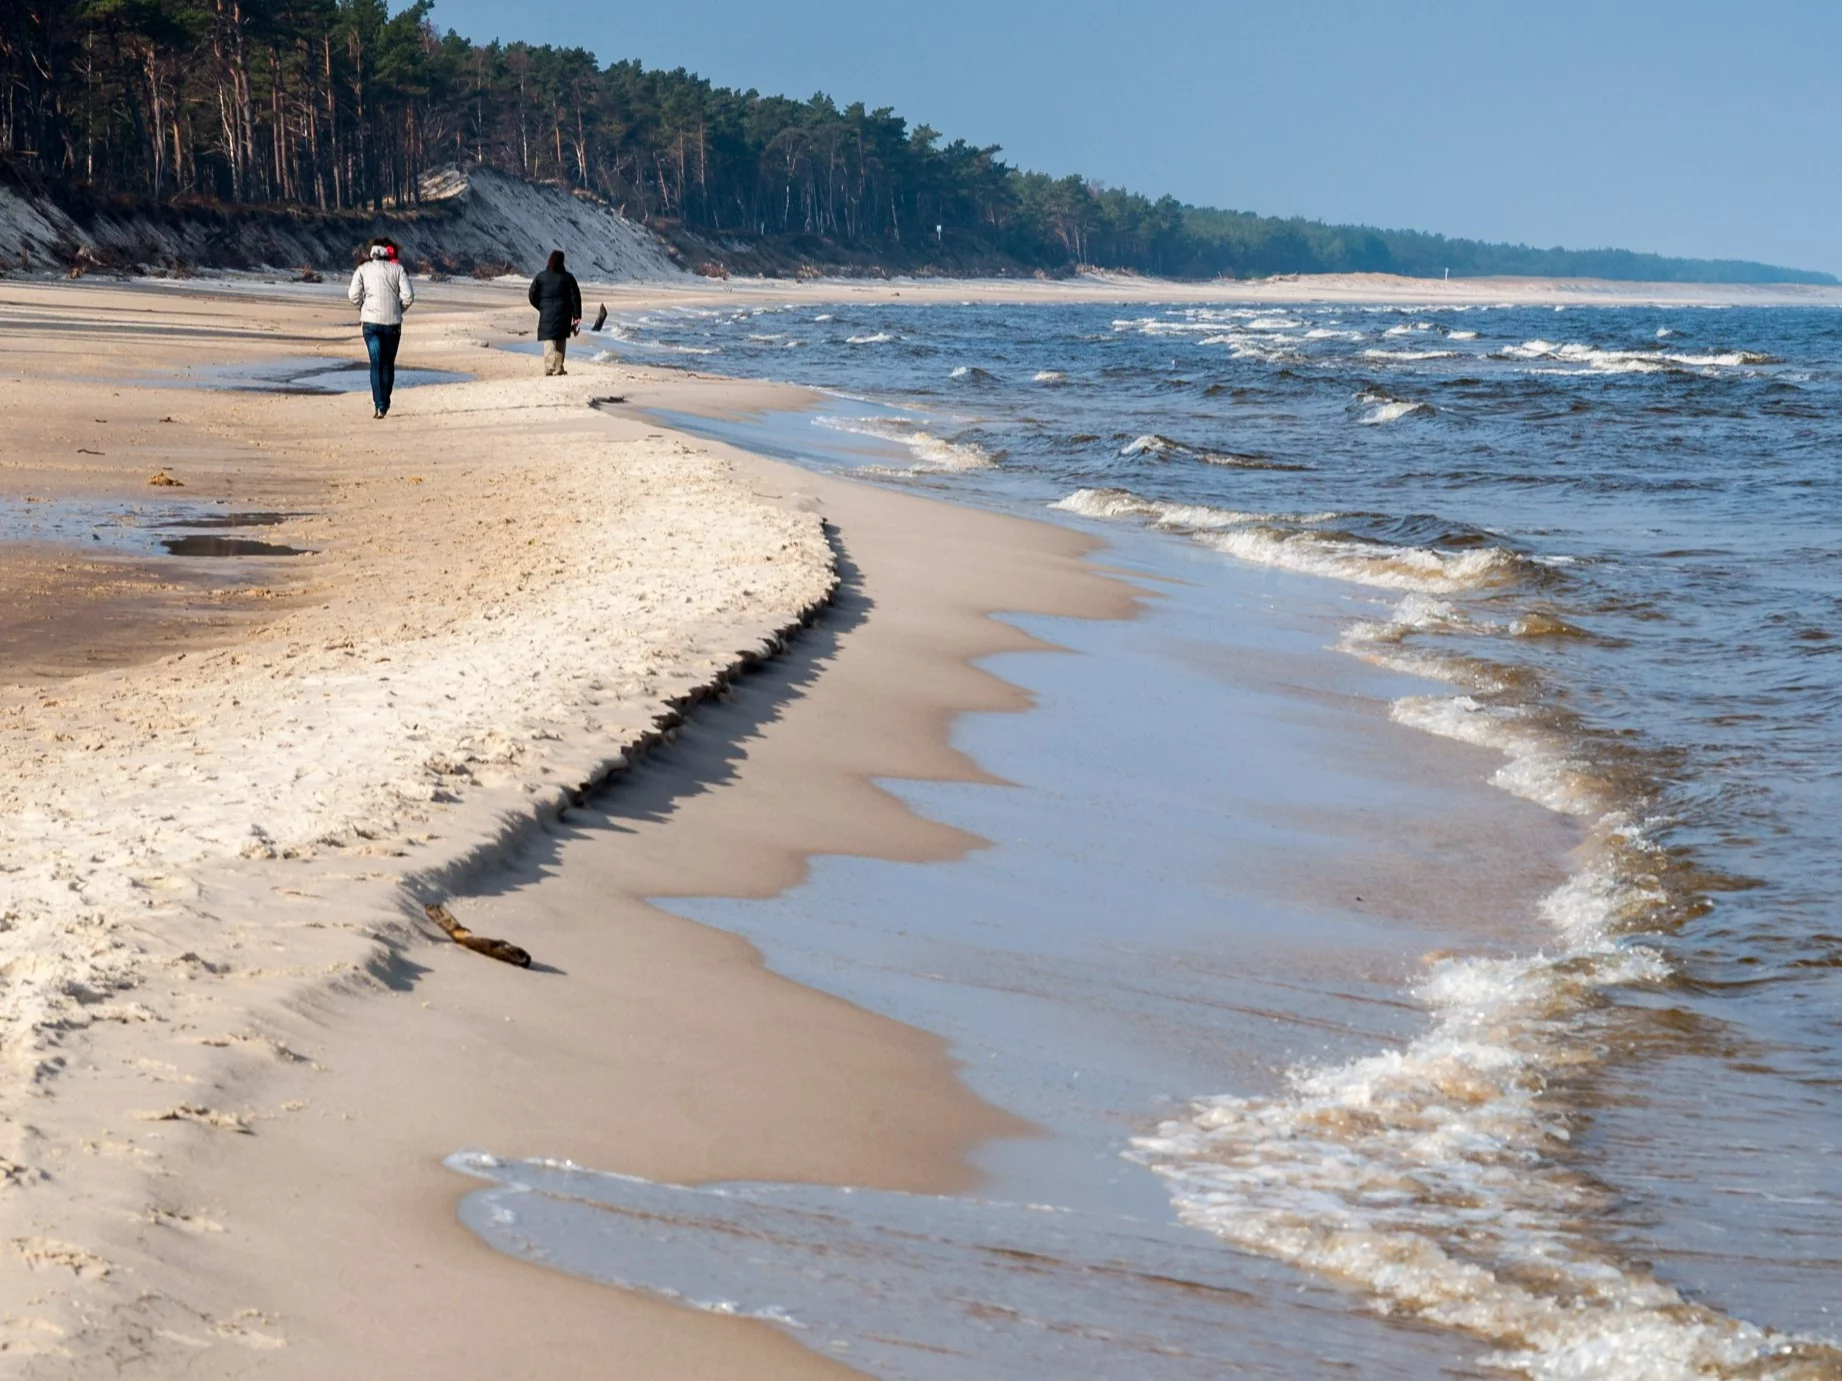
column 558, row 300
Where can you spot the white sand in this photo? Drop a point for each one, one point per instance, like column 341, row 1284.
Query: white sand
column 503, row 598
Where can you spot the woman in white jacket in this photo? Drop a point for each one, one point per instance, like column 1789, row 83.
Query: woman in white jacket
column 381, row 292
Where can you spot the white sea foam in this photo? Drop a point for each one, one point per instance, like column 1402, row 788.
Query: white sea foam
column 1373, row 354
column 1432, row 1175
column 1122, row 503
column 1382, row 410
column 1297, row 542
column 1464, row 335
column 1628, row 361
column 1049, row 376
column 1146, row 445
column 1272, row 349
column 1152, row 444
column 876, row 338
column 1363, row 562
column 932, row 451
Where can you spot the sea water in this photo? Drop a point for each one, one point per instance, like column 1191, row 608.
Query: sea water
column 1601, row 543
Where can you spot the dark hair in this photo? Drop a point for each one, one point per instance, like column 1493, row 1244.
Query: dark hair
column 382, row 242
column 556, row 261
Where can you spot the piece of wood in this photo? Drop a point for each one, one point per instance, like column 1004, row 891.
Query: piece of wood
column 502, row 950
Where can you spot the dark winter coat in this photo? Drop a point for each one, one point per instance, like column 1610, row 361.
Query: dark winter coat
column 558, row 300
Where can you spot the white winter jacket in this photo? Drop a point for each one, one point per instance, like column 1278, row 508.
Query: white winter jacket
column 380, row 290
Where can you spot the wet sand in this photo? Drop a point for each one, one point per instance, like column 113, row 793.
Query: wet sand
column 657, row 1045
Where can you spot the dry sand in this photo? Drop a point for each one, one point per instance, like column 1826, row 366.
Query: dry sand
column 237, row 1054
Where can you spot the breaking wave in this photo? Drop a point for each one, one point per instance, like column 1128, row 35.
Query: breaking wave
column 1437, row 1176
column 932, row 451
column 1606, row 361
column 1379, row 409
column 1308, row 543
column 1152, row 444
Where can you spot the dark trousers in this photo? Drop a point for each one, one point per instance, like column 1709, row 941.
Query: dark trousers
column 381, row 343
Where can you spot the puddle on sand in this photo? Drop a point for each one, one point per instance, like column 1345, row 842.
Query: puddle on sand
column 138, row 529
column 227, row 546
column 312, row 374
column 235, row 520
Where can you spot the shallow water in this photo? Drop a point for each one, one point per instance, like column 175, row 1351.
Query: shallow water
column 138, row 528
column 1601, row 1141
column 310, row 374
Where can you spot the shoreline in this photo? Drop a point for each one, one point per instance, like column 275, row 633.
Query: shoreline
column 161, row 1276
column 1366, row 289
column 298, row 1202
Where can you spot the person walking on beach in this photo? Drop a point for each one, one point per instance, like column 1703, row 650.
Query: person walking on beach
column 381, row 292
column 558, row 299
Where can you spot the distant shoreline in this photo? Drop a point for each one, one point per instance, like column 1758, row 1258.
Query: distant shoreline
column 1377, row 289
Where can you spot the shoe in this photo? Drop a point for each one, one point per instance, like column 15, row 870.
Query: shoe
column 378, row 415
column 562, row 371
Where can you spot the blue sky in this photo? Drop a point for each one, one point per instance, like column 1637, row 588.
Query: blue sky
column 1692, row 128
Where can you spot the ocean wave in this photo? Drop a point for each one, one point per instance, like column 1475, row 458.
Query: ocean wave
column 1123, row 503
column 1628, row 361
column 1271, row 350
column 1383, row 408
column 971, row 373
column 1373, row 354
column 876, row 338
column 1303, row 544
column 1152, row 444
column 1436, row 1176
column 932, row 451
column 1356, row 559
column 1049, row 376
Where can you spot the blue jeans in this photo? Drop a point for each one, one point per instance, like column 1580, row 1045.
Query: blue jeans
column 381, row 342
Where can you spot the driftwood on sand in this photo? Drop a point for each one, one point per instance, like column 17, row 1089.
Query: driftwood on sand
column 502, row 950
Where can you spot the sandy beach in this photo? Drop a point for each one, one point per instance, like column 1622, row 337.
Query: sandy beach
column 238, row 1054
